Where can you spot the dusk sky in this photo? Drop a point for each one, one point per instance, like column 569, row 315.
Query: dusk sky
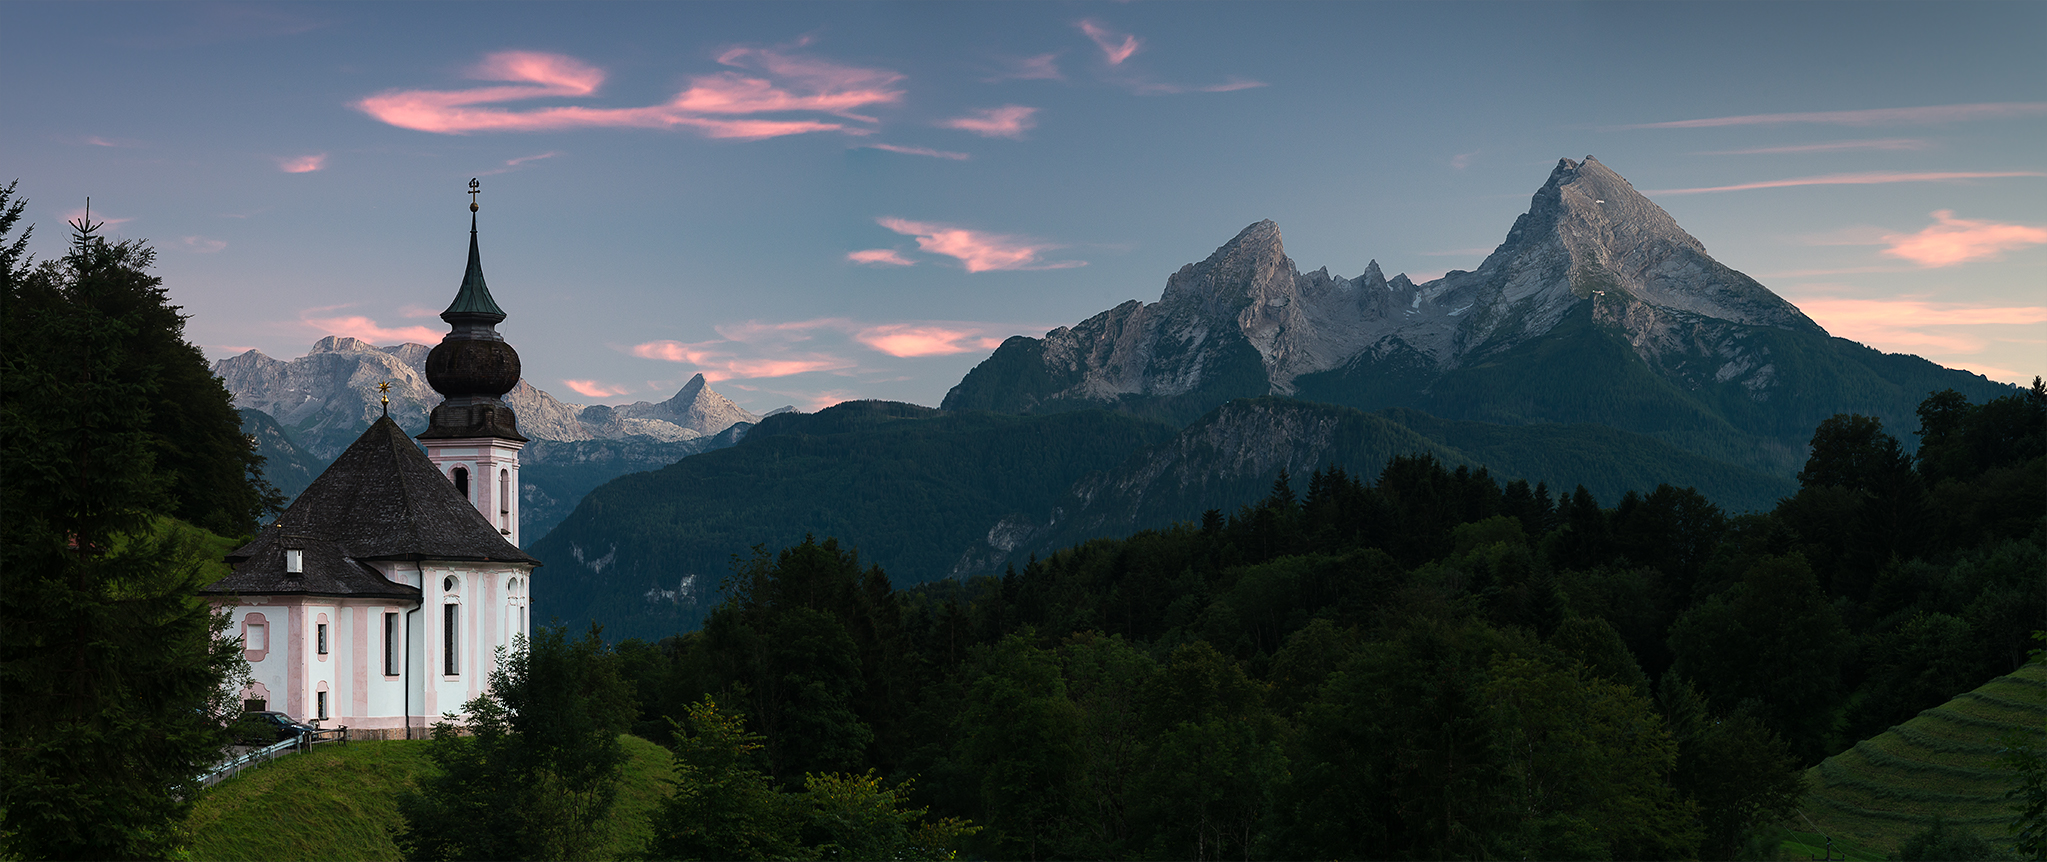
column 813, row 202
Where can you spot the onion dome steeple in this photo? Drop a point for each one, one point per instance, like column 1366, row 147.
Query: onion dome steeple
column 473, row 367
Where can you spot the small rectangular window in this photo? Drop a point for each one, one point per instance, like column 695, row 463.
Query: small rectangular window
column 390, row 644
column 294, row 561
column 258, row 638
column 320, row 704
column 451, row 617
column 320, row 637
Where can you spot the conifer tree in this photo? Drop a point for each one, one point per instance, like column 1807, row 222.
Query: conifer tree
column 114, row 677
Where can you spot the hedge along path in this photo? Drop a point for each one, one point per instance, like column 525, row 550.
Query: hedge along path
column 1944, row 761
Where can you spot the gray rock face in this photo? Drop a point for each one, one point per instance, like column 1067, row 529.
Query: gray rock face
column 1588, row 236
column 325, row 399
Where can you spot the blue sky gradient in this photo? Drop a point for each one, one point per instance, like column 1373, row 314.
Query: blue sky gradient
column 814, row 202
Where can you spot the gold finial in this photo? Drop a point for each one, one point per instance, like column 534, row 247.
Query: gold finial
column 385, row 388
column 474, row 187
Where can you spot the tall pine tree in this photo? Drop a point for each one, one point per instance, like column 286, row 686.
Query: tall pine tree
column 113, row 676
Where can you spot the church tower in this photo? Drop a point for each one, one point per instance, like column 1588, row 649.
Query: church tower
column 472, row 437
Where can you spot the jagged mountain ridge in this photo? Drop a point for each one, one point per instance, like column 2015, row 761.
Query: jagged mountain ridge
column 307, row 409
column 1592, row 269
column 329, row 395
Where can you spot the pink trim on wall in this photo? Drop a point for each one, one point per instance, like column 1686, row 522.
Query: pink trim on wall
column 359, row 676
column 256, row 655
column 295, row 689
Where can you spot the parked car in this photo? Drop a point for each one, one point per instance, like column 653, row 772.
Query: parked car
column 264, row 728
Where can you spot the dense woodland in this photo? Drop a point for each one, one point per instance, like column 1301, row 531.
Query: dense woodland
column 1417, row 664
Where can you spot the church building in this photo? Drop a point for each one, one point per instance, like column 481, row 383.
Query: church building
column 379, row 598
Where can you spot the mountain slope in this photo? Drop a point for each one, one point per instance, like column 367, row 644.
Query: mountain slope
column 1230, row 457
column 908, row 486
column 1597, row 308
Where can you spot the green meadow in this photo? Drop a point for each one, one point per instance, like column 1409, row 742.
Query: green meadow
column 340, row 802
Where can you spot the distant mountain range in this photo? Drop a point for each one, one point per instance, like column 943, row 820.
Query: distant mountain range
column 1596, row 308
column 304, row 411
column 1599, row 344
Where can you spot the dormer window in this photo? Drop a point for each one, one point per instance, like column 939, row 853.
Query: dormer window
column 294, row 561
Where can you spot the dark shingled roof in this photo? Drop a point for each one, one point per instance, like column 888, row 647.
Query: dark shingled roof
column 381, row 500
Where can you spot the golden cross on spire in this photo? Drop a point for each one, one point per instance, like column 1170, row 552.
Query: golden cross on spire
column 474, row 187
column 385, row 388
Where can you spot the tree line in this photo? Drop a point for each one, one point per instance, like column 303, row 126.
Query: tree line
column 1428, row 664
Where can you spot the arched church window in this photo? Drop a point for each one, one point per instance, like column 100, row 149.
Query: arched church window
column 461, row 477
column 448, row 584
column 505, row 496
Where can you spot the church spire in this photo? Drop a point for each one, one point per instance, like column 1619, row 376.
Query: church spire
column 473, row 367
column 473, row 306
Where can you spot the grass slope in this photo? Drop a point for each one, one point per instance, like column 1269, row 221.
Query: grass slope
column 340, row 802
column 1943, row 762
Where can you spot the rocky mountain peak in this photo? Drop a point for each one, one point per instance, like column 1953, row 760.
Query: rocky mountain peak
column 1250, row 265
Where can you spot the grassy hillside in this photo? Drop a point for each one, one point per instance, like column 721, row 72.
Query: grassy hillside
column 339, row 802
column 1943, row 762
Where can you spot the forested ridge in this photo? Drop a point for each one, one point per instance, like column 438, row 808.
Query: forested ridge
column 1421, row 663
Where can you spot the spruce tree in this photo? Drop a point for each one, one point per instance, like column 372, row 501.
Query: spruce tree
column 114, row 677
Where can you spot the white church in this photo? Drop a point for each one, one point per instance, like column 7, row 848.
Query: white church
column 379, row 598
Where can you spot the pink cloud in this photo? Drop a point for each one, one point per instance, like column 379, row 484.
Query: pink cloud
column 717, row 105
column 1832, row 147
column 1867, row 178
column 83, row 213
column 920, row 151
column 594, row 389
column 980, row 251
column 719, row 365
column 204, row 245
column 302, row 164
column 1951, row 240
column 905, row 339
column 1151, row 88
column 1873, row 117
column 1044, row 67
column 827, row 398
column 1116, row 47
column 1910, row 323
column 358, row 326
column 1008, row 121
column 887, row 256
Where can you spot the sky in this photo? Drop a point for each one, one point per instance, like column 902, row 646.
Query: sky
column 812, row 202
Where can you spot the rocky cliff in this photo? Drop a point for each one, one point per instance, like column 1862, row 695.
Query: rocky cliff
column 1597, row 307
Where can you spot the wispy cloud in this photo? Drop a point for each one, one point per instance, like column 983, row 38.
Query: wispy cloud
column 97, row 141
column 718, row 364
column 1116, row 47
column 1043, row 67
column 204, row 245
column 365, row 328
column 1913, row 323
column 1873, row 117
column 1857, row 179
column 722, row 105
column 101, row 218
column 302, row 164
column 883, row 256
column 594, row 389
column 1008, row 121
column 1462, row 160
column 1829, row 147
column 1155, row 88
column 907, row 339
column 513, row 163
column 980, row 251
column 1949, row 240
column 920, row 151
